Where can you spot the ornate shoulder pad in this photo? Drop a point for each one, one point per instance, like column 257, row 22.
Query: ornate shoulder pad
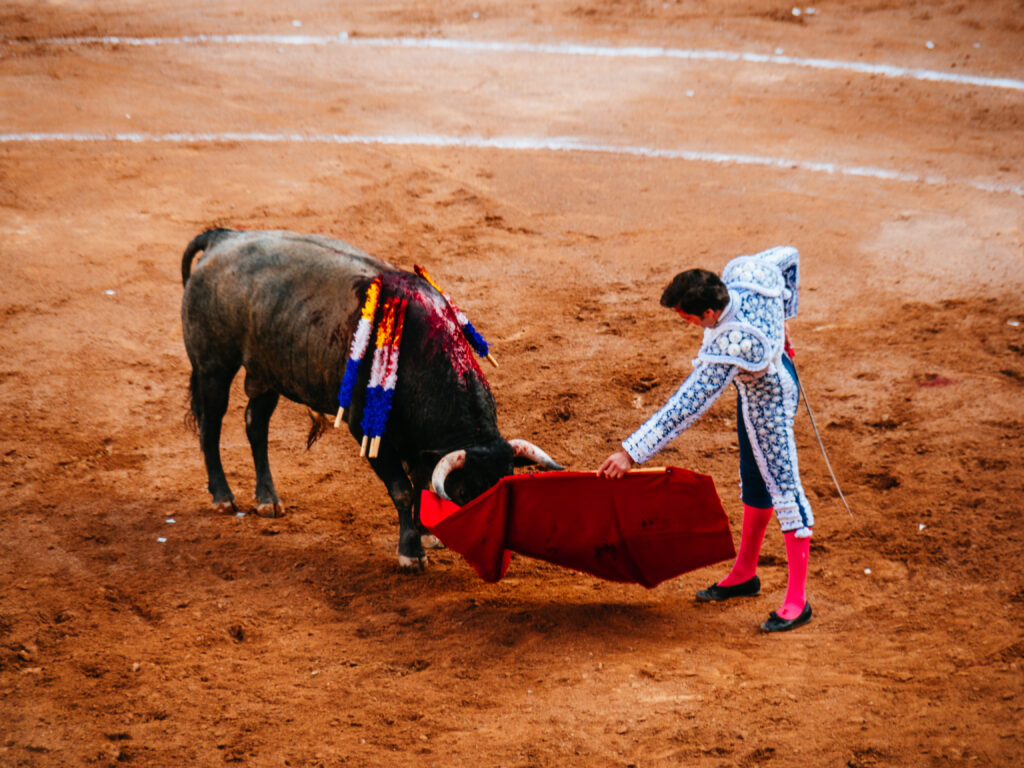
column 787, row 259
column 751, row 273
column 737, row 344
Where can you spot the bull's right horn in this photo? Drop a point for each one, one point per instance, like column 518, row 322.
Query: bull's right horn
column 453, row 460
column 528, row 450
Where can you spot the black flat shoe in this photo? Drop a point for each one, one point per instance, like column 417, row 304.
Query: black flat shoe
column 776, row 623
column 714, row 593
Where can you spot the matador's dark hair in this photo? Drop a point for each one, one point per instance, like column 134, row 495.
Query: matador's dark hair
column 695, row 291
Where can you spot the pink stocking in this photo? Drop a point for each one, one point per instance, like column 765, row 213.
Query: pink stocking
column 798, row 553
column 755, row 522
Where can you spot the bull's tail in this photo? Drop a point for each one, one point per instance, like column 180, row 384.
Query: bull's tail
column 194, row 417
column 199, row 243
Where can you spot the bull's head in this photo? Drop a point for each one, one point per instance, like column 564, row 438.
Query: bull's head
column 463, row 475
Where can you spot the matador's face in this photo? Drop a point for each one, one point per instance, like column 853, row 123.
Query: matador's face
column 708, row 320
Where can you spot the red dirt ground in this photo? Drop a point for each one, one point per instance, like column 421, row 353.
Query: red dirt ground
column 128, row 638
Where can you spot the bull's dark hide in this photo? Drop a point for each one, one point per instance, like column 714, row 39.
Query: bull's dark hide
column 283, row 306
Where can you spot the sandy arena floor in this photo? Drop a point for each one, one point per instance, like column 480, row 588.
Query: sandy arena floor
column 554, row 191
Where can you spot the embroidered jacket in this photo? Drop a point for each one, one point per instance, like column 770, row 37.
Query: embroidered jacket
column 745, row 348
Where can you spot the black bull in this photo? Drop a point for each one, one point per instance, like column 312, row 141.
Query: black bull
column 284, row 306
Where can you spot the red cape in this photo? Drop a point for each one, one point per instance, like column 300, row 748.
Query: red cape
column 643, row 528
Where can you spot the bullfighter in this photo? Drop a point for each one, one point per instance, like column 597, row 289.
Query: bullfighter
column 744, row 314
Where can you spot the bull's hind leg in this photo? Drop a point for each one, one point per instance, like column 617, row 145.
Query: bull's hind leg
column 257, row 426
column 210, row 390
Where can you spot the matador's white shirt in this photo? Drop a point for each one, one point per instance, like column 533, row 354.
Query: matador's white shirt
column 746, row 348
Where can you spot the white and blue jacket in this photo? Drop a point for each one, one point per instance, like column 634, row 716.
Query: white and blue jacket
column 746, row 348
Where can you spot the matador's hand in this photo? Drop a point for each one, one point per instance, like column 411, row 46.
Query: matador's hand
column 616, row 465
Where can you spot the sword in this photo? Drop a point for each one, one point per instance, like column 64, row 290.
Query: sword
column 821, row 445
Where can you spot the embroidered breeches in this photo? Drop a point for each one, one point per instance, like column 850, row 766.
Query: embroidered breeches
column 766, row 409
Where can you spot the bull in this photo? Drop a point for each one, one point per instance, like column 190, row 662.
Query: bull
column 284, row 306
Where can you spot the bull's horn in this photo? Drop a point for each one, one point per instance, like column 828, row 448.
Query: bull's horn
column 530, row 451
column 451, row 461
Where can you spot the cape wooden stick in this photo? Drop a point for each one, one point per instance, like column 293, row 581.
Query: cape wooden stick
column 641, row 471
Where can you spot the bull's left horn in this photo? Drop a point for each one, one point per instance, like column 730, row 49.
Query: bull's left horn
column 530, row 451
column 451, row 461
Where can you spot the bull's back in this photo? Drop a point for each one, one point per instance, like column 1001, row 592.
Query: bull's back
column 280, row 304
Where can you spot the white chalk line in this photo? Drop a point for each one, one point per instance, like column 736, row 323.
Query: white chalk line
column 517, row 144
column 562, row 49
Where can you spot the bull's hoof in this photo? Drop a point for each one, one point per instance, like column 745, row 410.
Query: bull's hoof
column 226, row 507
column 270, row 509
column 430, row 541
column 412, row 564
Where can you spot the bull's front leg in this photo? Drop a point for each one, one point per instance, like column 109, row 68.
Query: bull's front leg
column 389, row 469
column 421, row 476
column 427, row 539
